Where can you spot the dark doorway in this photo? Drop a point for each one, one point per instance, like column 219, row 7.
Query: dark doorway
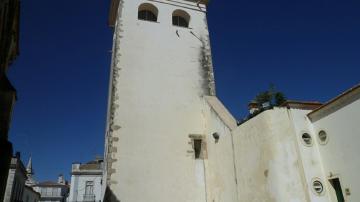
column 335, row 183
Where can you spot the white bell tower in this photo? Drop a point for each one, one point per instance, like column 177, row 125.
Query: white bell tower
column 161, row 73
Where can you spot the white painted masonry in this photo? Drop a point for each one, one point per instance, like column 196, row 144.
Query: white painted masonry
column 268, row 162
column 161, row 77
column 86, row 182
column 272, row 158
column 340, row 155
column 162, row 102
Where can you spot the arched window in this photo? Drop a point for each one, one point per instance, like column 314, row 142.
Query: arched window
column 147, row 12
column 180, row 18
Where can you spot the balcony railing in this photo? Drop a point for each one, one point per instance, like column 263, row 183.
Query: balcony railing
column 89, row 197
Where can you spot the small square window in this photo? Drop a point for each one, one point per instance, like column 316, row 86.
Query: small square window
column 198, row 148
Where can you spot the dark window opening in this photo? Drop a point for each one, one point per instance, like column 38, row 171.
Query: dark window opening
column 197, row 148
column 318, row 187
column 323, row 136
column 337, row 187
column 180, row 21
column 307, row 139
column 147, row 15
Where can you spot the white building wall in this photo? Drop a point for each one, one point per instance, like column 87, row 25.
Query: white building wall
column 161, row 75
column 15, row 182
column 267, row 160
column 78, row 184
column 219, row 166
column 310, row 156
column 340, row 154
column 270, row 154
column 52, row 193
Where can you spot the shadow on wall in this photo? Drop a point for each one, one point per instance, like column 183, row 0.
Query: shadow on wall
column 110, row 196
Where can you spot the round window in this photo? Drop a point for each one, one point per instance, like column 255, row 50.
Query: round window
column 318, row 187
column 323, row 137
column 307, row 139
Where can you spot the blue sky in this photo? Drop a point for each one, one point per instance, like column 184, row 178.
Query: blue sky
column 310, row 49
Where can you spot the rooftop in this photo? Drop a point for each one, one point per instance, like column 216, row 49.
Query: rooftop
column 91, row 167
column 114, row 5
column 50, row 184
column 305, row 105
column 336, row 103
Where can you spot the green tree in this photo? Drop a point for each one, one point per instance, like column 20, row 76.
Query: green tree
column 274, row 97
column 279, row 98
column 263, row 97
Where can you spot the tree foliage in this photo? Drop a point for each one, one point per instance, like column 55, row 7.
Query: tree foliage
column 272, row 96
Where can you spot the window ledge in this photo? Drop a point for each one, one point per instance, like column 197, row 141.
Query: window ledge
column 148, row 21
column 176, row 26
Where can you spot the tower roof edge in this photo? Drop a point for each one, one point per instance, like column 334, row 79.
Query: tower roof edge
column 114, row 5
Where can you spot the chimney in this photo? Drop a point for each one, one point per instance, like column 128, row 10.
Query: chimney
column 61, row 179
column 253, row 106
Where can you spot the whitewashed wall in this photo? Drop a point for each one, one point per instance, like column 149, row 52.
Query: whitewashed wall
column 340, row 155
column 77, row 188
column 161, row 75
column 219, row 166
column 310, row 156
column 267, row 159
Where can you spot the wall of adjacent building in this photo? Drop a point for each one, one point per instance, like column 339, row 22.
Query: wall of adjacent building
column 15, row 181
column 267, row 159
column 78, row 187
column 30, row 195
column 52, row 192
column 309, row 153
column 219, row 165
column 340, row 153
column 9, row 46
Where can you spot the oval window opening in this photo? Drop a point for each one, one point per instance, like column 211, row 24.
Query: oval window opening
column 307, row 139
column 323, row 137
column 318, row 187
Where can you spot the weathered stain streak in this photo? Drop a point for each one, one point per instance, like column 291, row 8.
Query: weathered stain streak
column 207, row 69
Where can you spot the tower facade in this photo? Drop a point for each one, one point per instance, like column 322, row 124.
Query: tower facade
column 168, row 137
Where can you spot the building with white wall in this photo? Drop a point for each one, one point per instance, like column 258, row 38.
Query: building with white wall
column 169, row 138
column 30, row 195
column 163, row 111
column 15, row 180
column 86, row 182
column 310, row 148
column 335, row 127
column 51, row 191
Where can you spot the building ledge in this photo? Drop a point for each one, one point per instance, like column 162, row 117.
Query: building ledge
column 336, row 103
column 114, row 6
column 305, row 105
column 221, row 111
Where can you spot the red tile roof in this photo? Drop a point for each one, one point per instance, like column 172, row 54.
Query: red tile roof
column 306, row 105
